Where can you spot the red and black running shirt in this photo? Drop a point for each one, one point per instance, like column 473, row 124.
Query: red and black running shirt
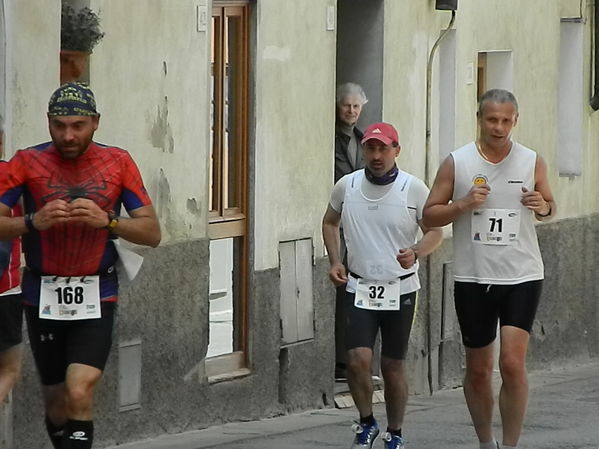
column 107, row 175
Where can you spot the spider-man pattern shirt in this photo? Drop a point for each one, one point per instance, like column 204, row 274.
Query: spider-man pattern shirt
column 104, row 174
column 11, row 277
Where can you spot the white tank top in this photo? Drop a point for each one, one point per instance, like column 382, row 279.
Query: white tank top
column 376, row 229
column 511, row 255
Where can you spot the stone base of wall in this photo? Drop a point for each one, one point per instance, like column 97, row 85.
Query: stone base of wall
column 162, row 334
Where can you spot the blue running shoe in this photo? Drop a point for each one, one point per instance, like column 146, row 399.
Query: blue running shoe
column 365, row 435
column 392, row 441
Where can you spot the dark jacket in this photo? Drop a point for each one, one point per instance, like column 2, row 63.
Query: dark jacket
column 343, row 164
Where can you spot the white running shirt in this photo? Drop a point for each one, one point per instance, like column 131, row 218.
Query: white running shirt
column 498, row 243
column 377, row 222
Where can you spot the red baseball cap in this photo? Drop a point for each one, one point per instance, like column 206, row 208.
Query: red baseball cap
column 384, row 132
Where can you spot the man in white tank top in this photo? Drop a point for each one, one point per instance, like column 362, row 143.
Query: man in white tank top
column 380, row 208
column 493, row 190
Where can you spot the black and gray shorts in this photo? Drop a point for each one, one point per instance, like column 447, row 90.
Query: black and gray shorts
column 362, row 326
column 57, row 344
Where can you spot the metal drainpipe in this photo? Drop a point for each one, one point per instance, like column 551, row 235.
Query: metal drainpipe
column 595, row 99
column 427, row 174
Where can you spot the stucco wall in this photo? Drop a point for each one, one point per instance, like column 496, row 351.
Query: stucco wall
column 295, row 83
column 532, row 34
column 150, row 74
column 31, row 75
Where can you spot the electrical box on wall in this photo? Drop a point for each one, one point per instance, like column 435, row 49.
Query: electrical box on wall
column 446, row 5
column 296, row 259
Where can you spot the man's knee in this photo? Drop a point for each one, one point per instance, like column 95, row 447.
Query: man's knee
column 10, row 361
column 9, row 376
column 80, row 386
column 511, row 367
column 392, row 367
column 479, row 376
column 80, row 395
column 10, row 371
column 359, row 359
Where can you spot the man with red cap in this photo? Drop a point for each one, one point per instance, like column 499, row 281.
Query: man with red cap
column 380, row 208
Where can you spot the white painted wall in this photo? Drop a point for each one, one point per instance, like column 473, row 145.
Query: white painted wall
column 295, row 83
column 446, row 112
column 531, row 30
column 150, row 74
column 32, row 48
column 570, row 136
column 407, row 40
column 500, row 70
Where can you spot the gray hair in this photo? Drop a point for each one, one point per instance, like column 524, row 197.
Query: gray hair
column 347, row 89
column 496, row 96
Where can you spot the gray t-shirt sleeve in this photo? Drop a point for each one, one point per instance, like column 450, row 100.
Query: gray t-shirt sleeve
column 338, row 194
column 417, row 196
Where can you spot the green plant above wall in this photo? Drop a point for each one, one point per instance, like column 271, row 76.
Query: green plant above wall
column 80, row 29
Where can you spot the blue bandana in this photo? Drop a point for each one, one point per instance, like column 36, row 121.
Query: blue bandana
column 387, row 178
column 72, row 99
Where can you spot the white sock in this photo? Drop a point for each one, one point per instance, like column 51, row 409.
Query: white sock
column 508, row 447
column 490, row 445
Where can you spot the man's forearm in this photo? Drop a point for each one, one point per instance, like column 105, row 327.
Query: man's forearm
column 429, row 242
column 138, row 230
column 438, row 215
column 11, row 227
column 332, row 242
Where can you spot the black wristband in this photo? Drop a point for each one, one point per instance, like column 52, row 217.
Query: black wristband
column 29, row 222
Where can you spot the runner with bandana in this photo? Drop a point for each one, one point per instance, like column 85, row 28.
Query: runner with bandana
column 73, row 189
column 380, row 208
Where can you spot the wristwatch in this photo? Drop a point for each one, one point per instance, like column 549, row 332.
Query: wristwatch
column 113, row 220
column 29, row 222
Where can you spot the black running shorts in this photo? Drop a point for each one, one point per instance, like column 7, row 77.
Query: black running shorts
column 11, row 321
column 362, row 326
column 56, row 344
column 479, row 306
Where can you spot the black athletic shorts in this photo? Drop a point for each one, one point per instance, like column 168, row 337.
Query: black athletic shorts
column 56, row 344
column 11, row 321
column 479, row 306
column 362, row 326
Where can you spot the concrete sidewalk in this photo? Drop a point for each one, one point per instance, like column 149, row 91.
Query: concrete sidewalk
column 563, row 413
